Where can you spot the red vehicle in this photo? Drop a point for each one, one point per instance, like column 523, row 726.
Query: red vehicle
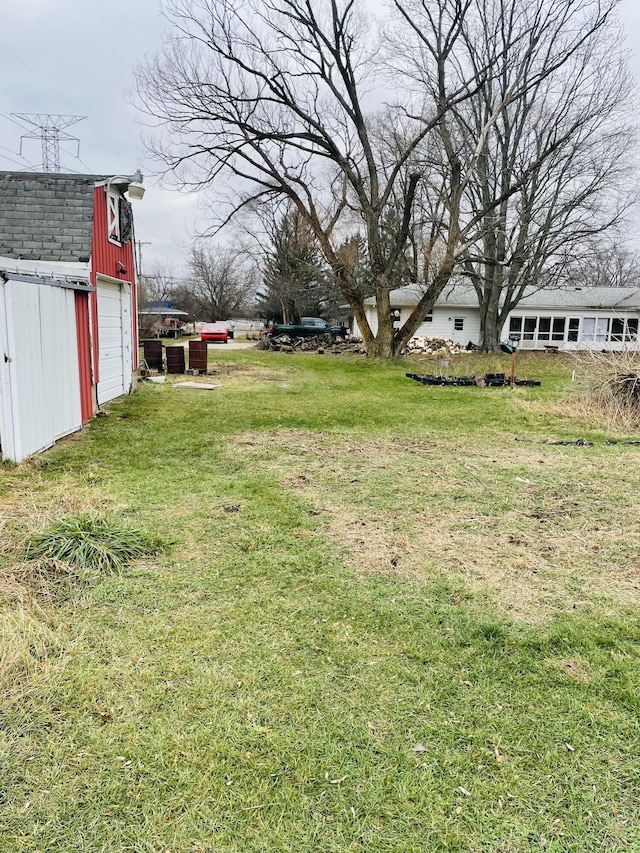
column 214, row 332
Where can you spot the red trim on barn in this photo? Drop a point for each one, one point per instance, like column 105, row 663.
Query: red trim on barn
column 83, row 338
column 115, row 261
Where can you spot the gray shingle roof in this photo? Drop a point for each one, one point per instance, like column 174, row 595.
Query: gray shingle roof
column 464, row 295
column 46, row 216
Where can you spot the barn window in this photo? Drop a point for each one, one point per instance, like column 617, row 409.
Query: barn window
column 458, row 324
column 113, row 216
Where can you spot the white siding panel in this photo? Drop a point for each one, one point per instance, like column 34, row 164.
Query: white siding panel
column 442, row 325
column 57, row 306
column 43, row 378
column 114, row 340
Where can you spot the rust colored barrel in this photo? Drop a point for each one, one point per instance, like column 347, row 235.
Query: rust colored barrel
column 152, row 351
column 198, row 355
column 175, row 359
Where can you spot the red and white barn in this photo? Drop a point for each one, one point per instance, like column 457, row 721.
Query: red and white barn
column 67, row 304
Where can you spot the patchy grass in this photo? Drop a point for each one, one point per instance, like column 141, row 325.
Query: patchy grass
column 396, row 618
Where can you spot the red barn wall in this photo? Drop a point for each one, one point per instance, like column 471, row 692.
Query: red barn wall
column 108, row 258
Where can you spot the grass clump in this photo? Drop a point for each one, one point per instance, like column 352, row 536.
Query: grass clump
column 91, row 543
column 608, row 384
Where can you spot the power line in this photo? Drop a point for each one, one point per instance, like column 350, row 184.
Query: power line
column 23, row 166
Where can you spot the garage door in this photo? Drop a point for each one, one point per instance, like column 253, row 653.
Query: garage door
column 114, row 339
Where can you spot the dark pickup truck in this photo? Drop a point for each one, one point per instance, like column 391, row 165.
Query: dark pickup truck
column 307, row 328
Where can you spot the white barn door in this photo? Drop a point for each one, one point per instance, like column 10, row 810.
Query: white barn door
column 39, row 376
column 114, row 339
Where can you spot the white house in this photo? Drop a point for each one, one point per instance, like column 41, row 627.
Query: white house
column 569, row 319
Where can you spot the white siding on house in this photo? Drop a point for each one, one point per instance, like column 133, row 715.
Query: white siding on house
column 39, row 376
column 567, row 328
column 443, row 325
column 114, row 339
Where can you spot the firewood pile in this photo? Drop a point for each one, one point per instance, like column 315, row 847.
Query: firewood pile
column 317, row 343
column 435, row 346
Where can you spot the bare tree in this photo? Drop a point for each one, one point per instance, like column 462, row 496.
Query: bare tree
column 516, row 170
column 270, row 98
column 221, row 285
column 578, row 118
column 274, row 98
column 605, row 263
column 157, row 285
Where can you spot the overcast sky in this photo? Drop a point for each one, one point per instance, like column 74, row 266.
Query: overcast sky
column 76, row 57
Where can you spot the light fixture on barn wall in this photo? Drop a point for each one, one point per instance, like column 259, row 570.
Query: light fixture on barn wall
column 131, row 184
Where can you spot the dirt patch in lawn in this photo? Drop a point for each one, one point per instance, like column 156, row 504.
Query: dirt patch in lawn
column 237, row 373
column 538, row 528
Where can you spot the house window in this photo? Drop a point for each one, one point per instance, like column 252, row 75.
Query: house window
column 574, row 329
column 113, row 216
column 458, row 324
column 515, row 328
column 429, row 317
column 595, row 329
column 617, row 329
column 589, row 329
column 544, row 328
column 602, row 330
column 632, row 329
column 558, row 328
column 529, row 328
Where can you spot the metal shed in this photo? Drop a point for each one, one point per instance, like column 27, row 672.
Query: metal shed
column 45, row 374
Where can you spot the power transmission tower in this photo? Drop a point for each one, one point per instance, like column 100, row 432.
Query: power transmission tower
column 49, row 129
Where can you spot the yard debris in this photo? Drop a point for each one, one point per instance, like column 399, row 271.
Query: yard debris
column 437, row 346
column 318, row 343
column 491, row 380
column 202, row 386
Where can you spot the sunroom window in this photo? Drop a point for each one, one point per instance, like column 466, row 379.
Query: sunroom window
column 558, row 328
column 574, row 329
column 544, row 328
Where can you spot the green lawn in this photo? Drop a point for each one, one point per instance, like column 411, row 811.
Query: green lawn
column 394, row 618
